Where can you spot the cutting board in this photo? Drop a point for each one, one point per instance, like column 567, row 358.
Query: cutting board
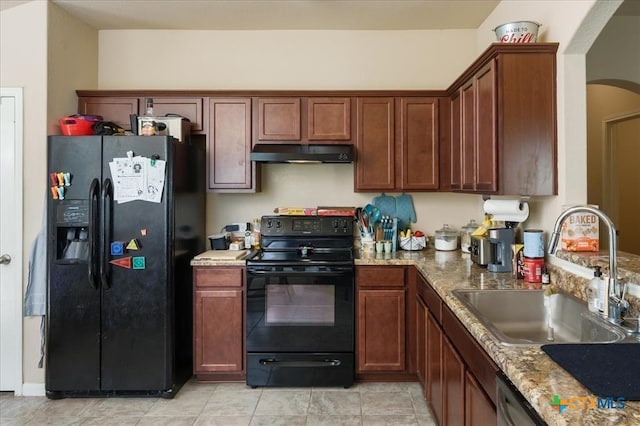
column 221, row 255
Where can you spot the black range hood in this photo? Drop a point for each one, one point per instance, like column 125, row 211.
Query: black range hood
column 297, row 153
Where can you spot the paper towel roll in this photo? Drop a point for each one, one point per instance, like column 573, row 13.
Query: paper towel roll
column 507, row 210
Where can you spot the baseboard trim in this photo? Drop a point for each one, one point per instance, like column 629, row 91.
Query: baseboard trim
column 33, row 389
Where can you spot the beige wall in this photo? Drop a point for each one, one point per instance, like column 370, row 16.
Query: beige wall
column 604, row 103
column 574, row 24
column 297, row 60
column 23, row 63
column 369, row 60
column 49, row 54
column 615, row 55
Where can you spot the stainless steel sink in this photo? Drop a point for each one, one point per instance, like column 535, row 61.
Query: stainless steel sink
column 519, row 317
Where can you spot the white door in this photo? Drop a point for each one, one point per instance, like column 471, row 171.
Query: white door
column 11, row 240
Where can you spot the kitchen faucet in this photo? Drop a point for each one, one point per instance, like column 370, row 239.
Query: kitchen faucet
column 611, row 285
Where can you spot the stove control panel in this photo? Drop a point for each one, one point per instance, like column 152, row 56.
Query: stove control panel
column 307, row 225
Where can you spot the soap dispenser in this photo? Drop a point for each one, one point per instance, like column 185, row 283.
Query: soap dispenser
column 595, row 291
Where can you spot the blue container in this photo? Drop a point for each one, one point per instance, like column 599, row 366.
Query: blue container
column 533, row 243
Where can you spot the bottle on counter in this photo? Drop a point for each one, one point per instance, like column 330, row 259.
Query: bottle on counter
column 595, row 291
column 149, row 106
column 247, row 236
column 256, row 236
column 465, row 235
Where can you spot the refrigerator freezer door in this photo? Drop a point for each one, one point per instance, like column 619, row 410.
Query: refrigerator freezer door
column 73, row 312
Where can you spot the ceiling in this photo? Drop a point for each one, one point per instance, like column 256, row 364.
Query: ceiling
column 285, row 14
column 277, row 14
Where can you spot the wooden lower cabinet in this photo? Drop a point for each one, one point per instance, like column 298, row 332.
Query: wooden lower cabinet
column 453, row 372
column 384, row 351
column 381, row 330
column 478, row 408
column 218, row 323
column 459, row 377
column 434, row 368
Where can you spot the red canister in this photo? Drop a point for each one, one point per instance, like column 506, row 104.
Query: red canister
column 533, row 269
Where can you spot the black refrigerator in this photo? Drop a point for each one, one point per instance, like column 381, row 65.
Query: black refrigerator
column 119, row 305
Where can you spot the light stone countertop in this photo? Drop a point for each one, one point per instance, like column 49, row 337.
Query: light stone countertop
column 536, row 376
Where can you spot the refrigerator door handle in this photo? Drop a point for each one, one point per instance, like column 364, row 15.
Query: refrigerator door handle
column 94, row 189
column 105, row 231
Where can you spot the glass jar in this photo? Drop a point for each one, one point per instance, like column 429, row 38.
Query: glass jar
column 446, row 238
column 465, row 235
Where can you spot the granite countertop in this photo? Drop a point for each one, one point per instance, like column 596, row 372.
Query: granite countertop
column 628, row 263
column 536, row 376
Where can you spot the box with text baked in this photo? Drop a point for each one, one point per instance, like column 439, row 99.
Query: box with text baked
column 580, row 232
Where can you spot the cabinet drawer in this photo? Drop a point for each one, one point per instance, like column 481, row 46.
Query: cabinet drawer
column 380, row 276
column 219, row 277
column 431, row 299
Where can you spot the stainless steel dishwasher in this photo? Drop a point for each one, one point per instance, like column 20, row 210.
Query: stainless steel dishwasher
column 512, row 408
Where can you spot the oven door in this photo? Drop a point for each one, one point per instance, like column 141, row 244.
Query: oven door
column 304, row 309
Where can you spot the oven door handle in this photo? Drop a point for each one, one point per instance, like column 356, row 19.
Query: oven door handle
column 301, row 363
column 332, row 273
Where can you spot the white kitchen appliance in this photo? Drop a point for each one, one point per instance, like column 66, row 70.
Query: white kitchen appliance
column 177, row 126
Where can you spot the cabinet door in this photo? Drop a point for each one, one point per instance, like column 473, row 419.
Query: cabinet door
column 434, row 367
column 375, row 144
column 421, row 345
column 456, row 140
column 278, row 119
column 229, row 145
column 114, row 109
column 479, row 410
column 218, row 331
column 190, row 108
column 486, row 149
column 467, row 135
column 419, row 148
column 381, row 330
column 453, row 371
column 328, row 119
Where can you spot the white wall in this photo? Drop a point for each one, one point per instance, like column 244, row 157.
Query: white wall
column 296, row 60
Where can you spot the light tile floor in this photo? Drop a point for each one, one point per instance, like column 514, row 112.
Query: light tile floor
column 231, row 404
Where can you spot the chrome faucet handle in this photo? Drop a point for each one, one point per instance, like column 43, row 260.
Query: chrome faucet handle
column 617, row 307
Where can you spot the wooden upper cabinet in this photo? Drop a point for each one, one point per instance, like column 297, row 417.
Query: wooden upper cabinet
column 419, row 143
column 328, row 119
column 112, row 108
column 229, row 146
column 455, row 161
column 190, row 108
column 278, row 119
column 508, row 121
column 467, row 136
column 303, row 120
column 118, row 109
column 398, row 145
column 486, row 141
column 375, row 144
